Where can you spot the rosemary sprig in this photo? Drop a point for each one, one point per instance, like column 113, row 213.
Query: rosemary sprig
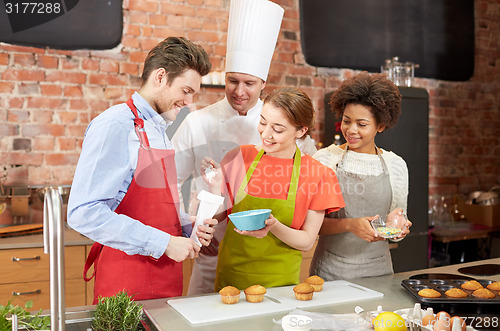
column 117, row 313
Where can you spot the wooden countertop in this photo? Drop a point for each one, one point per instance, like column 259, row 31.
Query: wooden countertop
column 71, row 238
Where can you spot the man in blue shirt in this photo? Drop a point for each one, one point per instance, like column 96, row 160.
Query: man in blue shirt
column 124, row 193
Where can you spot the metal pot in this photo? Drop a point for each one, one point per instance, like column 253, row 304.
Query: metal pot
column 487, row 198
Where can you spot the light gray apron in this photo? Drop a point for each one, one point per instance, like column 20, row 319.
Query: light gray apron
column 345, row 255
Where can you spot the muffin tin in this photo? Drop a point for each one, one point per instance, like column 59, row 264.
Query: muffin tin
column 442, row 285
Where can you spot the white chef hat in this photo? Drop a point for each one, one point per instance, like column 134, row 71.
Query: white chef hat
column 252, row 33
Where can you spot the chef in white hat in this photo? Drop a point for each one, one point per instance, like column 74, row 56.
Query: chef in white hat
column 253, row 30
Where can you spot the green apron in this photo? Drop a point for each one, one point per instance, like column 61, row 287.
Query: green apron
column 245, row 260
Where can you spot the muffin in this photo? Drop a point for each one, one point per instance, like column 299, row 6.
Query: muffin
column 429, row 293
column 230, row 295
column 255, row 293
column 471, row 285
column 495, row 286
column 316, row 282
column 455, row 293
column 483, row 293
column 303, row 291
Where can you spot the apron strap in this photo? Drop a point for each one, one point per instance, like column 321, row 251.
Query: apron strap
column 93, row 258
column 143, row 137
column 294, row 181
column 139, row 126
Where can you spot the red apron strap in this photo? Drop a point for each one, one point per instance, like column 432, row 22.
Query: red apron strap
column 139, row 125
column 93, row 257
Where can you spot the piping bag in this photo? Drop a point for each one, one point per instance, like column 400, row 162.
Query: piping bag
column 209, row 203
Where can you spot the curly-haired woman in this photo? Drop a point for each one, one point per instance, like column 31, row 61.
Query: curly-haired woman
column 374, row 181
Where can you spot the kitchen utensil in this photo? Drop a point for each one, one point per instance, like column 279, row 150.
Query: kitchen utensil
column 389, row 226
column 401, row 73
column 487, row 198
column 474, row 195
column 209, row 203
column 440, row 276
column 250, row 220
column 495, row 189
column 468, row 304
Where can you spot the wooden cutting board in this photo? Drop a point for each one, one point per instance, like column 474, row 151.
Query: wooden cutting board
column 21, row 230
column 209, row 308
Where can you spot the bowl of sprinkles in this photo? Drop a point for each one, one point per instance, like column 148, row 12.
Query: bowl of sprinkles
column 389, row 226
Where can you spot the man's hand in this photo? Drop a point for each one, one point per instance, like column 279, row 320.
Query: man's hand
column 180, row 248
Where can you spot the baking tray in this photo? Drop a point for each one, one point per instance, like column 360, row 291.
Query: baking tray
column 470, row 304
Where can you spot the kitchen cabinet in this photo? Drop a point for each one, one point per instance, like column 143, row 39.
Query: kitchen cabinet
column 25, row 276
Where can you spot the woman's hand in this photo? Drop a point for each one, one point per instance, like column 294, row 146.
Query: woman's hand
column 405, row 229
column 261, row 233
column 206, row 231
column 212, row 249
column 211, row 173
column 362, row 228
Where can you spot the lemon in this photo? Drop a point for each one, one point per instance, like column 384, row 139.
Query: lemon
column 389, row 321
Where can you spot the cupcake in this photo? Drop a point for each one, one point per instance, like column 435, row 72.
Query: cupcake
column 255, row 293
column 456, row 293
column 471, row 285
column 303, row 291
column 316, row 282
column 429, row 293
column 230, row 295
column 495, row 286
column 483, row 293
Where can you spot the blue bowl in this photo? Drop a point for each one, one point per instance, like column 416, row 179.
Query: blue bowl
column 250, row 220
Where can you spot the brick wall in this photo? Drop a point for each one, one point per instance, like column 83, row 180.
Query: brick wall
column 48, row 97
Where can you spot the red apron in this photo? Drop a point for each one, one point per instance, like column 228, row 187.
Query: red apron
column 151, row 201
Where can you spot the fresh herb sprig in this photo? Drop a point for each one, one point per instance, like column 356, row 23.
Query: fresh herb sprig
column 117, row 313
column 24, row 317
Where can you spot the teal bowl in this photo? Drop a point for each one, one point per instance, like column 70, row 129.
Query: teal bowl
column 250, row 220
